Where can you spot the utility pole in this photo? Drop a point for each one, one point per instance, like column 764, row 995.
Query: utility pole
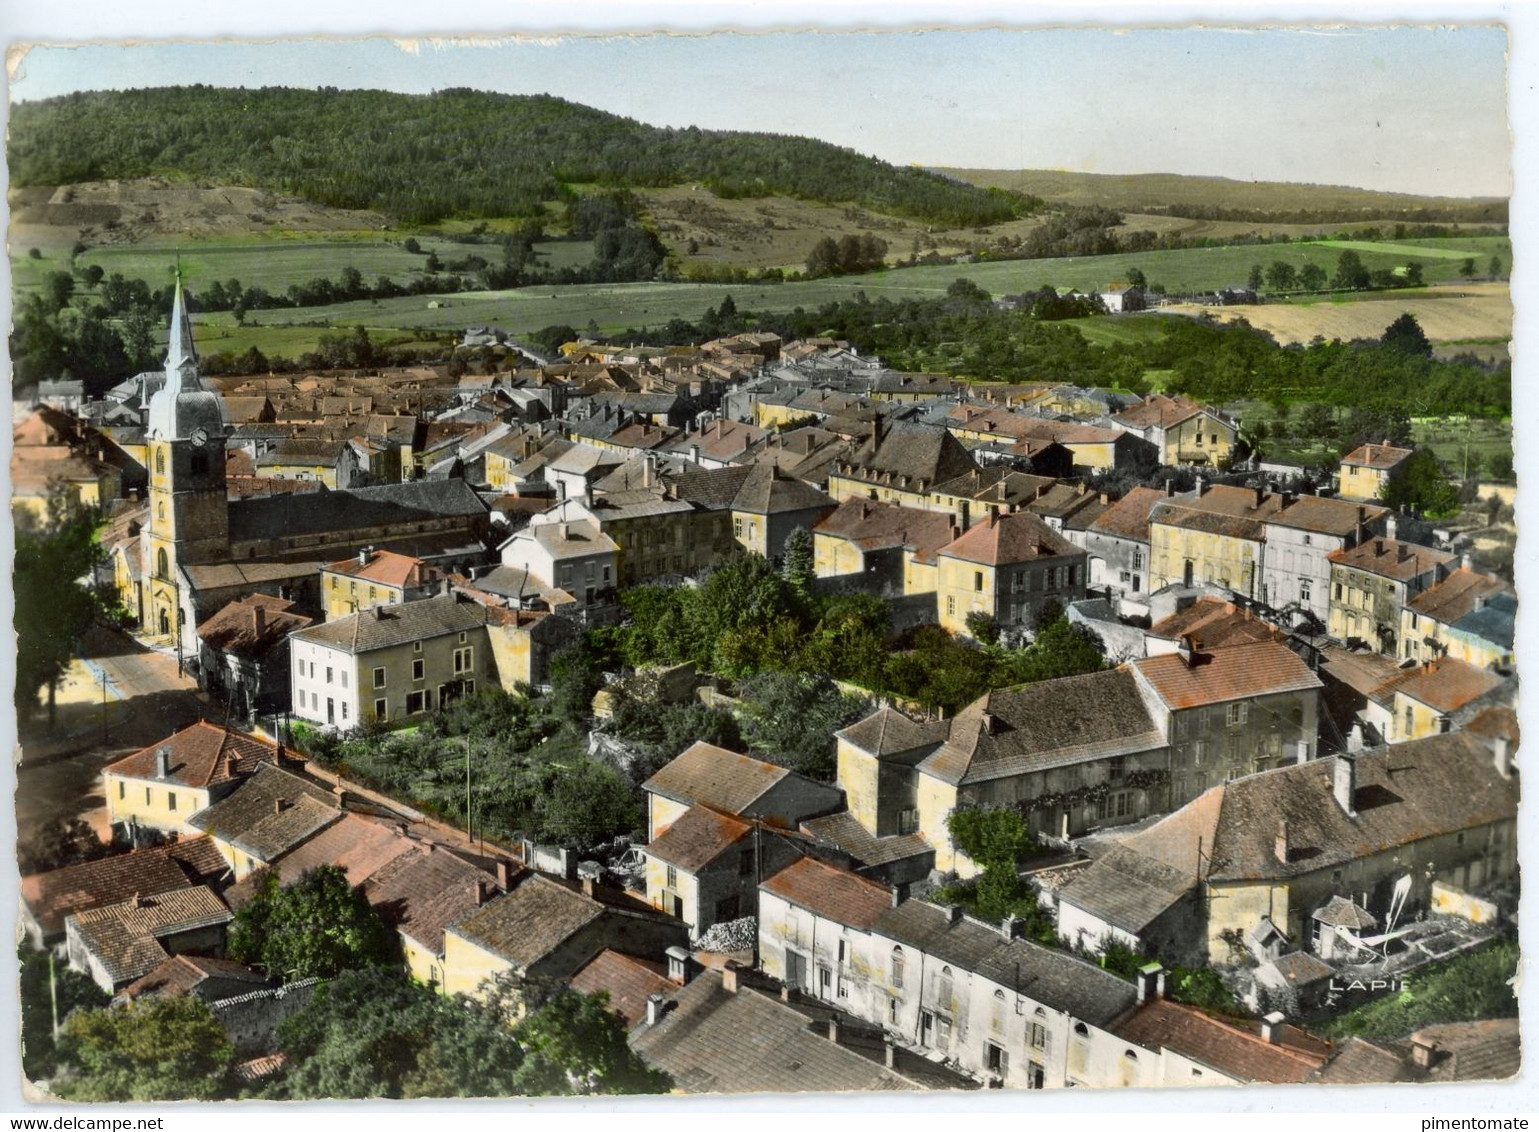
column 53, row 995
column 470, row 829
column 104, row 707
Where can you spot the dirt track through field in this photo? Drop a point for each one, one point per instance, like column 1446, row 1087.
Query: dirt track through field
column 1446, row 314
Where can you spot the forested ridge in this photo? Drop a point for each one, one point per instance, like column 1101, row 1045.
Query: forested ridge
column 454, row 153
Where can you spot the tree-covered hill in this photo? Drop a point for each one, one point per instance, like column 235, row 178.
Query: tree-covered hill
column 462, row 153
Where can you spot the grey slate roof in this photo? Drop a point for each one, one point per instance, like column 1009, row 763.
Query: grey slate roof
column 385, row 626
column 259, row 517
column 250, row 817
column 712, row 1041
column 1053, row 978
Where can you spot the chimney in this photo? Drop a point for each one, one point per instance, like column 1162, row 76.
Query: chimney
column 833, row 1029
column 589, row 886
column 1009, row 926
column 259, row 619
column 678, row 964
column 379, row 613
column 1202, row 486
column 1170, row 488
column 1287, row 499
column 1466, row 561
column 1378, row 547
column 1280, row 846
column 338, row 795
column 1355, row 739
column 1151, row 983
column 363, row 556
column 566, row 531
column 1423, row 1051
column 163, row 762
column 1260, row 494
column 1344, row 783
column 694, row 452
column 1501, row 752
column 1391, row 526
column 899, row 894
column 654, row 1009
column 279, row 805
column 953, row 913
column 502, row 872
column 1271, row 1027
column 730, row 974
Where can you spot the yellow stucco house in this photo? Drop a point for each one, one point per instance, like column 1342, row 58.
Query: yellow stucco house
column 1366, row 469
column 1007, row 567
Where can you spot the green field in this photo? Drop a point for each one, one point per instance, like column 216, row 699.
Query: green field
column 614, row 307
column 1446, row 437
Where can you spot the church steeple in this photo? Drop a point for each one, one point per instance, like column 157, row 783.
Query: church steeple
column 181, row 354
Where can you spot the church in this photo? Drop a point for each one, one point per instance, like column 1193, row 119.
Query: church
column 192, row 549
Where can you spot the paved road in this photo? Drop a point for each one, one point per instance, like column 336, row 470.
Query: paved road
column 59, row 772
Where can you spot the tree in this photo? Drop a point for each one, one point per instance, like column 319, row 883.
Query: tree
column 1467, row 268
column 1061, row 648
column 56, row 598
column 1413, row 277
column 160, row 1049
column 374, row 1033
column 316, row 927
column 40, row 1056
column 1350, row 275
column 797, row 566
column 585, row 804
column 1311, row 277
column 1419, row 483
column 1281, row 276
column 1496, row 267
column 1317, row 422
column 575, row 1044
column 982, row 627
column 412, row 245
column 790, row 718
column 1136, row 278
column 1406, row 336
column 1253, row 280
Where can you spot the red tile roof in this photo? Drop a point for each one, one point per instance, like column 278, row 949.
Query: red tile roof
column 713, row 776
column 1382, row 456
column 832, row 893
column 1234, row 1049
column 52, row 896
column 386, row 568
column 1456, row 595
column 1391, row 558
column 1446, row 685
column 628, row 982
column 1004, row 540
column 1216, row 624
column 697, row 838
column 1129, row 517
column 202, row 755
column 1226, row 674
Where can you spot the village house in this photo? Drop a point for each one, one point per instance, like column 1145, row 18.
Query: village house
column 1372, row 582
column 376, row 577
column 1007, row 568
column 901, row 463
column 1422, row 701
column 705, row 867
column 995, row 489
column 633, row 982
column 390, row 662
column 1117, row 544
column 1232, row 711
column 888, row 547
column 200, row 976
column 1268, row 546
column 1183, row 431
column 1465, row 616
column 53, row 457
column 160, row 786
column 1280, row 845
column 543, row 931
column 934, row 979
column 330, row 462
column 244, row 653
column 47, row 899
column 769, row 506
column 735, row 785
column 1366, row 470
column 1208, row 623
column 421, row 892
column 267, row 816
column 119, row 943
column 572, row 556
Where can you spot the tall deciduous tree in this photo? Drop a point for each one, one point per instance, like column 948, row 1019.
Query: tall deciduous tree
column 56, row 597
column 574, row 1044
column 316, row 927
column 1406, row 335
column 162, row 1049
column 1419, row 483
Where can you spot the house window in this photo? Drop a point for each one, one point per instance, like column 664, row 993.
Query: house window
column 977, row 581
column 1237, row 713
column 943, row 986
column 417, row 669
column 462, row 659
column 343, row 677
column 379, row 677
column 344, row 709
column 415, row 702
column 122, row 790
column 171, row 801
column 1138, row 560
column 892, row 1011
column 908, row 821
column 416, row 646
column 995, row 1059
column 745, row 865
column 726, row 909
column 380, row 708
column 328, row 674
column 147, row 798
column 1081, row 1030
column 1410, row 719
column 160, row 461
column 897, row 970
column 844, row 987
column 1038, row 1036
column 1305, row 589
column 673, row 877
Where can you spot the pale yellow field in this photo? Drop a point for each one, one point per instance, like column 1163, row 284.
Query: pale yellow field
column 1453, row 313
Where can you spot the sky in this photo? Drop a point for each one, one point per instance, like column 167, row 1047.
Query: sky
column 1408, row 109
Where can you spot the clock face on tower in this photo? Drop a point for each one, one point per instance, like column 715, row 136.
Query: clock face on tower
column 199, row 437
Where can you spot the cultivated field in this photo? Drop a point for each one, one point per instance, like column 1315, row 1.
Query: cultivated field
column 1449, row 313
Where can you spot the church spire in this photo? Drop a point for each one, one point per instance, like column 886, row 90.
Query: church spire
column 180, row 352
